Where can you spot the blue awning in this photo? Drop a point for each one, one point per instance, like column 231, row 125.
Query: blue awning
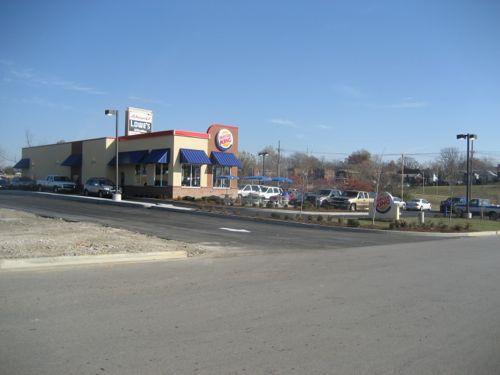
column 74, row 160
column 189, row 156
column 23, row 164
column 225, row 159
column 159, row 156
column 129, row 157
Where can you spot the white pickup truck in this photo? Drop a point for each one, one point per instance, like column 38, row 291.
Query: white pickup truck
column 479, row 207
column 56, row 184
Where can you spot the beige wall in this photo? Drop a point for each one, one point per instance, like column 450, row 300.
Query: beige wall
column 192, row 143
column 145, row 143
column 47, row 160
column 96, row 154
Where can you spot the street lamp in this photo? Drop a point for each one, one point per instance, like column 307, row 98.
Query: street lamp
column 469, row 137
column 263, row 154
column 114, row 112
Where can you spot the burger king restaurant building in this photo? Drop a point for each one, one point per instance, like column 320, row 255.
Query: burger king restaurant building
column 164, row 164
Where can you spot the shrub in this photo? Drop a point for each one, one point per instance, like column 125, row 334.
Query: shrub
column 275, row 215
column 319, row 219
column 353, row 223
column 340, row 220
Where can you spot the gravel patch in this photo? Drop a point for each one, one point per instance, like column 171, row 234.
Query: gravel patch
column 25, row 235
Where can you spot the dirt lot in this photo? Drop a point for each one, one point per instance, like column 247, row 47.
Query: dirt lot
column 24, row 235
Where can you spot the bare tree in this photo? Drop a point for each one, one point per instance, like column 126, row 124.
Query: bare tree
column 248, row 163
column 451, row 163
column 29, row 137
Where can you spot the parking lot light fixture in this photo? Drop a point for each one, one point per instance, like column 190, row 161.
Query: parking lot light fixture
column 114, row 112
column 469, row 137
column 263, row 154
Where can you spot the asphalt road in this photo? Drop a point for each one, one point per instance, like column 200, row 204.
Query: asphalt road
column 408, row 308
column 228, row 233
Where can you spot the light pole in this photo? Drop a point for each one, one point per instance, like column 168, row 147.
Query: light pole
column 263, row 154
column 469, row 137
column 114, row 112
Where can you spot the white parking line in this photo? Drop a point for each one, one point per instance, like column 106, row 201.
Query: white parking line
column 235, row 230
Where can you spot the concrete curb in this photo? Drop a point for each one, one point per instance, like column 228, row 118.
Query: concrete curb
column 44, row 262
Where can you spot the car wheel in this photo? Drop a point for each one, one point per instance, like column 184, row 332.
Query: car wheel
column 100, row 194
column 56, row 189
column 39, row 188
column 86, row 192
column 352, row 207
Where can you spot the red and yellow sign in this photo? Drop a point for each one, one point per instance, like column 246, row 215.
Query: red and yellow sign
column 383, row 203
column 224, row 140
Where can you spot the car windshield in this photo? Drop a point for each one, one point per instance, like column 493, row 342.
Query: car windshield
column 106, row 181
column 61, row 178
column 324, row 192
column 350, row 194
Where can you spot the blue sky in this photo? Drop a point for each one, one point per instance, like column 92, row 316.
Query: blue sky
column 326, row 77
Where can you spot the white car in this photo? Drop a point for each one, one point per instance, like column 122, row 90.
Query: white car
column 419, row 205
column 400, row 203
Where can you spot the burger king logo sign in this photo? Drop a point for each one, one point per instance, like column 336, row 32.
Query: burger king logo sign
column 383, row 203
column 224, row 140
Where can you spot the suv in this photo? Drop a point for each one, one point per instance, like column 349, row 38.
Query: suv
column 270, row 191
column 353, row 200
column 100, row 186
column 249, row 190
column 324, row 197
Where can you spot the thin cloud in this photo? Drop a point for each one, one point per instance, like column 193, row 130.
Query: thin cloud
column 283, row 122
column 30, row 76
column 347, row 90
column 406, row 103
column 324, row 127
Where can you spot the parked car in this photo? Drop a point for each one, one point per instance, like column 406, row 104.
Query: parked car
column 247, row 190
column 56, row 183
column 419, row 205
column 449, row 204
column 24, row 183
column 401, row 203
column 4, row 183
column 100, row 186
column 324, row 197
column 268, row 192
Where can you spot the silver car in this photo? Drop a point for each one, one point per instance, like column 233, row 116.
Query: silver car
column 100, row 186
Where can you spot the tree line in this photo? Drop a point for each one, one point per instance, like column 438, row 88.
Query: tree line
column 362, row 170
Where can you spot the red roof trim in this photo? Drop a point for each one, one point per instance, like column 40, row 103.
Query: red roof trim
column 147, row 135
column 181, row 133
column 191, row 134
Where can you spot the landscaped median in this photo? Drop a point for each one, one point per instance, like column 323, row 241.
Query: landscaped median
column 435, row 224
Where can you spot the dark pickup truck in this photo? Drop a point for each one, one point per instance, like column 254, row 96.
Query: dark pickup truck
column 479, row 207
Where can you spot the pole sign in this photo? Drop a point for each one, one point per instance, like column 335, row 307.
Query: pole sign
column 138, row 121
column 384, row 206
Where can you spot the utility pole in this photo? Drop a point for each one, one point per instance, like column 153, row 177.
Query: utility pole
column 402, row 175
column 279, row 157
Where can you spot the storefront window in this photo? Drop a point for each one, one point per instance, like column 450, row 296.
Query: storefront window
column 219, row 171
column 161, row 174
column 191, row 175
